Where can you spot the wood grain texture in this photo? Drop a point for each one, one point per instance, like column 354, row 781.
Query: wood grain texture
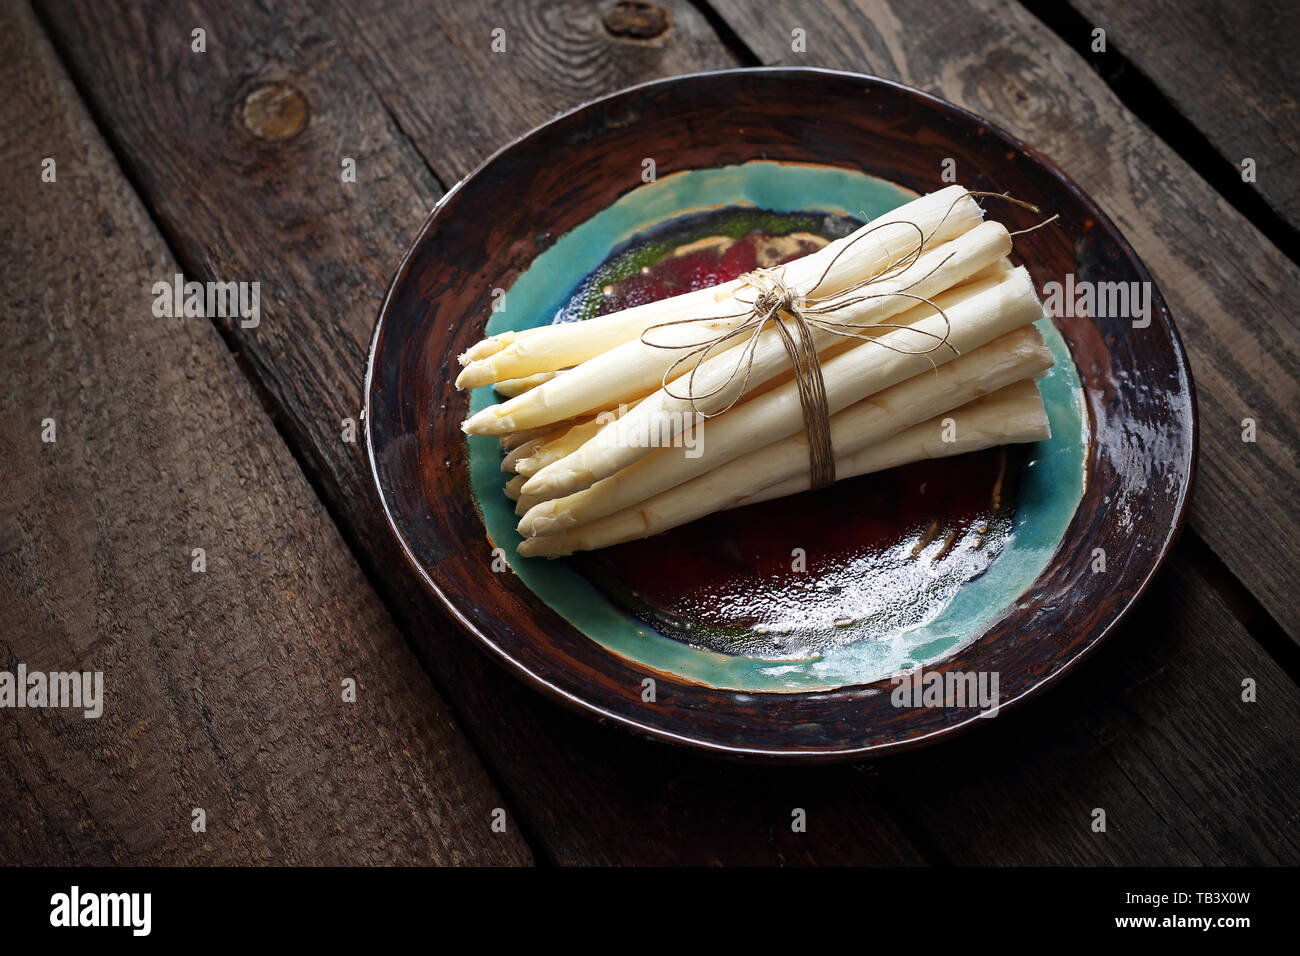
column 324, row 252
column 1231, row 69
column 589, row 794
column 1153, row 730
column 222, row 688
column 1225, row 283
column 459, row 101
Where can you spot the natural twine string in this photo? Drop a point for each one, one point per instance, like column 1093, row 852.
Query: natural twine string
column 774, row 301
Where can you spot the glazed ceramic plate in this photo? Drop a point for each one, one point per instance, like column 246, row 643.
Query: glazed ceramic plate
column 782, row 630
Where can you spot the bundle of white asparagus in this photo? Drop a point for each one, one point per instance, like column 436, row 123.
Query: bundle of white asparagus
column 632, row 423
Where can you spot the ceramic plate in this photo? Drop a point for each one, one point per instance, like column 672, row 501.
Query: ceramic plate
column 810, row 627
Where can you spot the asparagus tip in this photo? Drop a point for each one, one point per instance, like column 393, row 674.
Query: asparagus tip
column 467, row 377
column 551, row 482
column 544, row 519
column 541, row 547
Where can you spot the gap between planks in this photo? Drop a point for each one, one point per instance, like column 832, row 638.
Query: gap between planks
column 310, row 469
column 1144, row 98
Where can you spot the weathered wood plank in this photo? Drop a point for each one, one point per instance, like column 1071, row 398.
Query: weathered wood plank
column 588, row 794
column 1149, row 830
column 460, row 100
column 1226, row 284
column 1164, row 756
column 222, row 689
column 1153, row 731
column 324, row 251
column 1231, row 69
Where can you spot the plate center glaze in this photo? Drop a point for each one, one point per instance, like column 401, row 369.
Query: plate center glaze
column 789, row 579
column 843, row 586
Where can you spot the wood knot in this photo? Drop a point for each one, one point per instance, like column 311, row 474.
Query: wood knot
column 274, row 112
column 636, row 20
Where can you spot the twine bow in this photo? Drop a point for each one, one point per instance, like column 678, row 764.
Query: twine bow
column 775, row 301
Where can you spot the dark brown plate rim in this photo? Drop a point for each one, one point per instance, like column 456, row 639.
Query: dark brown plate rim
column 767, row 754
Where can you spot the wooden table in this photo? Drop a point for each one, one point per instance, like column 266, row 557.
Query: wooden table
column 226, row 688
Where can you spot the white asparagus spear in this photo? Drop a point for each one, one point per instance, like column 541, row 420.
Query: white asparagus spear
column 525, row 502
column 526, row 449
column 542, row 348
column 609, row 330
column 1019, row 406
column 485, row 347
column 513, row 486
column 522, row 502
column 547, row 452
column 508, row 463
column 634, row 368
column 992, row 271
column 1012, row 415
column 511, row 387
column 572, row 343
column 559, row 446
column 1018, row 355
column 720, row 379
column 512, row 440
column 978, row 314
